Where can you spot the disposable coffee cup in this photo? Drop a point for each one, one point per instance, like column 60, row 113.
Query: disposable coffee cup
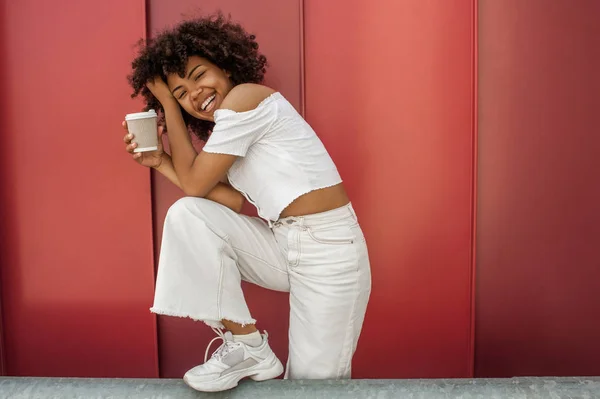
column 144, row 128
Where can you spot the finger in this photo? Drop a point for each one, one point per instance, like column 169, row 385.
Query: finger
column 161, row 129
column 124, row 124
column 128, row 137
column 131, row 147
column 137, row 155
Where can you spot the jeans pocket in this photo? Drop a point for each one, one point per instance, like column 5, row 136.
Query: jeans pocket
column 333, row 239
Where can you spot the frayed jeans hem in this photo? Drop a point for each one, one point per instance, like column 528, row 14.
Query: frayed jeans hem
column 211, row 322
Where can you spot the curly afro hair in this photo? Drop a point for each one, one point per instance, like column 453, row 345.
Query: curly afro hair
column 216, row 38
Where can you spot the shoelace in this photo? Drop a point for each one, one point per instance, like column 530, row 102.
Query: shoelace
column 223, row 349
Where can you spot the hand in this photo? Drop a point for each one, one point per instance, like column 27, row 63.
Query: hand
column 152, row 159
column 160, row 90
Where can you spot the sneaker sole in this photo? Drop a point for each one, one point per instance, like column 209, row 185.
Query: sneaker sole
column 268, row 369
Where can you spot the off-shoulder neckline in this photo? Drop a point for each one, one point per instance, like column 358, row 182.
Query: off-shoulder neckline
column 266, row 100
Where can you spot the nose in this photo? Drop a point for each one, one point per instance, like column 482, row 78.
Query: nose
column 196, row 93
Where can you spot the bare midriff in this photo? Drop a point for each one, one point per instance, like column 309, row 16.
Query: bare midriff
column 322, row 200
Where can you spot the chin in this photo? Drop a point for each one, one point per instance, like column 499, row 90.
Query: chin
column 209, row 118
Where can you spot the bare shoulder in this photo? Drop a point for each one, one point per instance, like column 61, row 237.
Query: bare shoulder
column 246, row 97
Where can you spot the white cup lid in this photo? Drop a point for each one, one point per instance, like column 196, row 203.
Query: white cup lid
column 141, row 115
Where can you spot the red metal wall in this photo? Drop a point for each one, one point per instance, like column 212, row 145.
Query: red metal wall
column 277, row 25
column 389, row 88
column 77, row 264
column 538, row 229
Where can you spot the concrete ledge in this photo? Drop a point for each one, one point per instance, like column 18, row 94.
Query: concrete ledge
column 88, row 388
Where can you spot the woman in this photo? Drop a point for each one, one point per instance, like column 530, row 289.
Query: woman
column 205, row 76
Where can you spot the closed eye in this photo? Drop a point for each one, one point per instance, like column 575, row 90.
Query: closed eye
column 199, row 75
column 183, row 93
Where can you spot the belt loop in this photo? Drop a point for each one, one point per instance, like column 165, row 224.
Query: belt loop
column 352, row 211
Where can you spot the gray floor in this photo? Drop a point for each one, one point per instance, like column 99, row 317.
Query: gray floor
column 546, row 388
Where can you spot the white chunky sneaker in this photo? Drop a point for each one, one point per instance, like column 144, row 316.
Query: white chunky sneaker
column 231, row 362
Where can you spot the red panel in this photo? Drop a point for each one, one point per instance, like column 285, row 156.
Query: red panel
column 3, row 216
column 77, row 274
column 389, row 89
column 538, row 223
column 181, row 341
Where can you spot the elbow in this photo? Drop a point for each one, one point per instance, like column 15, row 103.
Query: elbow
column 190, row 193
column 194, row 193
column 193, row 190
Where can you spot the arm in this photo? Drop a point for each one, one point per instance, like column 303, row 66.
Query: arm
column 199, row 173
column 221, row 193
column 162, row 162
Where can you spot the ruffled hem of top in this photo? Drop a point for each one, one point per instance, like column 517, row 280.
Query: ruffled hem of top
column 301, row 194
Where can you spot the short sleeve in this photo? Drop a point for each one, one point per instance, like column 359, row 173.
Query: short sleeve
column 234, row 132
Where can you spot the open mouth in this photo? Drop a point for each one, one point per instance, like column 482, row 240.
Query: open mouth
column 208, row 103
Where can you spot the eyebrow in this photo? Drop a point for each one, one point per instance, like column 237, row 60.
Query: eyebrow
column 189, row 76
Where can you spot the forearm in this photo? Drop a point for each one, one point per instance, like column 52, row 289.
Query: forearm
column 227, row 196
column 166, row 169
column 182, row 150
column 221, row 193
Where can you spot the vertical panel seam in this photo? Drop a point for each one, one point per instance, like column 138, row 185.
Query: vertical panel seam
column 302, row 62
column 3, row 226
column 474, row 141
column 3, row 369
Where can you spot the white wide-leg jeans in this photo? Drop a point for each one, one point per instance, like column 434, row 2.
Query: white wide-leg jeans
column 320, row 259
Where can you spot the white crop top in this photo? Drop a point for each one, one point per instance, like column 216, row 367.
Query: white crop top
column 280, row 156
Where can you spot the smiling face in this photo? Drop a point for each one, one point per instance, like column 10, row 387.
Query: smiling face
column 202, row 89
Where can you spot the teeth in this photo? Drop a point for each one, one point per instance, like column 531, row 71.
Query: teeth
column 207, row 101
